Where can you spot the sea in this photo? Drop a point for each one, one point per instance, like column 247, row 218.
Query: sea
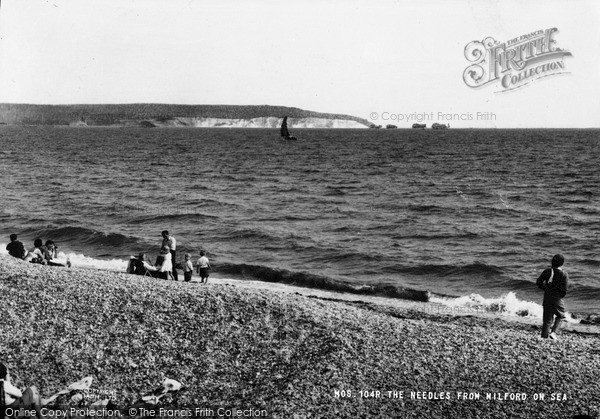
column 470, row 216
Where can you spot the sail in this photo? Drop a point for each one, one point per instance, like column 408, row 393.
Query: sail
column 284, row 129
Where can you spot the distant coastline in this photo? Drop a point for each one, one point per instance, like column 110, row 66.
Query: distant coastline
column 166, row 115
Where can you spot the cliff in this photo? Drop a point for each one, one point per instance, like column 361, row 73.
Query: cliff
column 149, row 115
column 262, row 122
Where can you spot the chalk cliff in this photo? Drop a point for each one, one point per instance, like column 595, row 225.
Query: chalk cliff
column 165, row 115
column 262, row 122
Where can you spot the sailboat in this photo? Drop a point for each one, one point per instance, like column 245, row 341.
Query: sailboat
column 284, row 130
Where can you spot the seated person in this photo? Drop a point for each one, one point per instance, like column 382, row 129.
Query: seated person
column 159, row 260
column 51, row 252
column 13, row 397
column 15, row 248
column 140, row 265
column 37, row 254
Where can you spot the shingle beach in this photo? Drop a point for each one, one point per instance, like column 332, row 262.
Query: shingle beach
column 283, row 354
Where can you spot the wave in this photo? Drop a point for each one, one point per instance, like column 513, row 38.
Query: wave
column 332, row 191
column 82, row 235
column 176, row 217
column 473, row 269
column 303, row 279
column 289, row 190
column 590, row 262
column 331, row 255
column 507, row 304
column 584, row 292
column 427, row 208
column 79, row 260
column 291, row 217
column 248, row 233
column 434, row 236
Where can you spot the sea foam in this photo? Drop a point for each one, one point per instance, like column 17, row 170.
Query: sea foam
column 79, row 260
column 507, row 304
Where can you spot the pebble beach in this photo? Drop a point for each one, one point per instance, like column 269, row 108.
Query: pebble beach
column 278, row 353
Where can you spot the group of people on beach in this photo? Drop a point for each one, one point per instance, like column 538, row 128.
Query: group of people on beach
column 554, row 280
column 166, row 266
column 27, row 402
column 44, row 254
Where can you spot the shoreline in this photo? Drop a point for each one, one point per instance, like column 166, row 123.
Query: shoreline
column 430, row 308
column 285, row 349
column 387, row 304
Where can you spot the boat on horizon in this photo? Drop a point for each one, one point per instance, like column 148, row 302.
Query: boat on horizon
column 435, row 125
column 285, row 133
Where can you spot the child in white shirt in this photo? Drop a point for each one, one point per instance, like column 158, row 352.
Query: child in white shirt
column 203, row 267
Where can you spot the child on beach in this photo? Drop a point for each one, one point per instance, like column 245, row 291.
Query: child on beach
column 203, row 267
column 554, row 282
column 171, row 243
column 165, row 267
column 13, row 397
column 188, row 268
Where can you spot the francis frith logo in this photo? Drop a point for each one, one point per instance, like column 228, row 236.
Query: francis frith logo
column 516, row 62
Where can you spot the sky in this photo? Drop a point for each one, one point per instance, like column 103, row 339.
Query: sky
column 388, row 61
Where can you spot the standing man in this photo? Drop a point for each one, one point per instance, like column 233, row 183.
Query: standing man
column 15, row 247
column 170, row 241
column 554, row 282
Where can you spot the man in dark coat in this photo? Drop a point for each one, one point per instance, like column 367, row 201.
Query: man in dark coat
column 554, row 281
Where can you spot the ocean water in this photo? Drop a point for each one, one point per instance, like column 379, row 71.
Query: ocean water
column 473, row 216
